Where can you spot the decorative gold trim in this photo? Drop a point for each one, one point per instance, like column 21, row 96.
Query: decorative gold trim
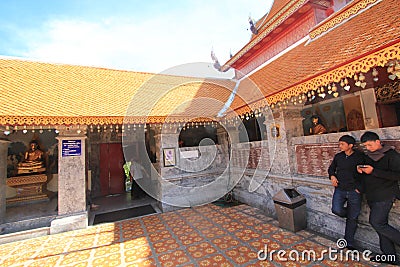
column 351, row 9
column 364, row 64
column 388, row 92
column 267, row 28
column 44, row 121
column 26, row 180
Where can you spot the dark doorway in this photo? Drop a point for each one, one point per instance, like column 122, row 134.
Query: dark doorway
column 194, row 136
column 123, row 214
column 251, row 129
column 389, row 114
column 112, row 177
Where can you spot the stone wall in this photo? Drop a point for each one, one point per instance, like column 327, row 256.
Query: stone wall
column 317, row 189
column 200, row 175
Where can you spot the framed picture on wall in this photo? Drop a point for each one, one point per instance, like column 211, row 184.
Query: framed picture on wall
column 169, row 157
column 275, row 131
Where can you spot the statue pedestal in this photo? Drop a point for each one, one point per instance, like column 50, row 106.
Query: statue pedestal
column 29, row 188
column 30, row 170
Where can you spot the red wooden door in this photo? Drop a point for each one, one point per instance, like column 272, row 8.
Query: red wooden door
column 112, row 179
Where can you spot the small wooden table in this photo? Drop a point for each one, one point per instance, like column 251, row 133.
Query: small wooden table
column 29, row 188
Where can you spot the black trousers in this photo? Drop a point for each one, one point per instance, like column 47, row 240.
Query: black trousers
column 137, row 191
column 378, row 218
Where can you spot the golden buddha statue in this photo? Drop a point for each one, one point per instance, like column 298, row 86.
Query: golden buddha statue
column 33, row 160
column 317, row 127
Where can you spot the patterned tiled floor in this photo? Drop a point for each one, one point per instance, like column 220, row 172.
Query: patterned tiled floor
column 203, row 236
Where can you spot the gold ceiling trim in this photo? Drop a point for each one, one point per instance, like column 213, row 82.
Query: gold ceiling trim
column 352, row 9
column 267, row 28
column 388, row 92
column 45, row 120
column 364, row 64
column 59, row 120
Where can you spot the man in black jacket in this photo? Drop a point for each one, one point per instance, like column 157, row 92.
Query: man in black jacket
column 343, row 175
column 382, row 173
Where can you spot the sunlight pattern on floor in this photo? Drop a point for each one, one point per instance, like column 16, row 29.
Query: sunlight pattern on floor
column 203, row 236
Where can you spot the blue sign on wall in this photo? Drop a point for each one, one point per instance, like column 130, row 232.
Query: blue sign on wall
column 71, row 148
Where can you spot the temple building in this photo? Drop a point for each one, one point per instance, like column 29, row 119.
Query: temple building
column 201, row 139
column 341, row 67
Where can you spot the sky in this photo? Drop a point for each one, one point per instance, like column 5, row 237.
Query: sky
column 147, row 36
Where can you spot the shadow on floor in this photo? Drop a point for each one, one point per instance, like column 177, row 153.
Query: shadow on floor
column 117, row 202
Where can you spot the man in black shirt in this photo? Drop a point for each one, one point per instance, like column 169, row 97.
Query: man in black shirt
column 344, row 177
column 382, row 173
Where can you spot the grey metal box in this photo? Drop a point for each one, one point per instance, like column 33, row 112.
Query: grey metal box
column 290, row 207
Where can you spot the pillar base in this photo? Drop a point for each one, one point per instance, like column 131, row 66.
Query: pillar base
column 167, row 208
column 69, row 223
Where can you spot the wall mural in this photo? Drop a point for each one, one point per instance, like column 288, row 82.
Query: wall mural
column 354, row 113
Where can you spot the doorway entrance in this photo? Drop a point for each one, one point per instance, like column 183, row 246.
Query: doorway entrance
column 112, row 177
column 389, row 114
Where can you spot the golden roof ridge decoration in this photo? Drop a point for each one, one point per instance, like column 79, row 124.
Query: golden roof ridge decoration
column 335, row 19
column 267, row 28
column 363, row 64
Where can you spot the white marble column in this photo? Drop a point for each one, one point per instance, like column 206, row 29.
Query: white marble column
column 71, row 182
column 3, row 177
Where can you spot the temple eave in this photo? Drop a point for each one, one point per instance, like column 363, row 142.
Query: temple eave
column 94, row 120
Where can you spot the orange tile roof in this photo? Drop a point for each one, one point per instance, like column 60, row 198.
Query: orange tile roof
column 42, row 93
column 374, row 29
column 280, row 10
